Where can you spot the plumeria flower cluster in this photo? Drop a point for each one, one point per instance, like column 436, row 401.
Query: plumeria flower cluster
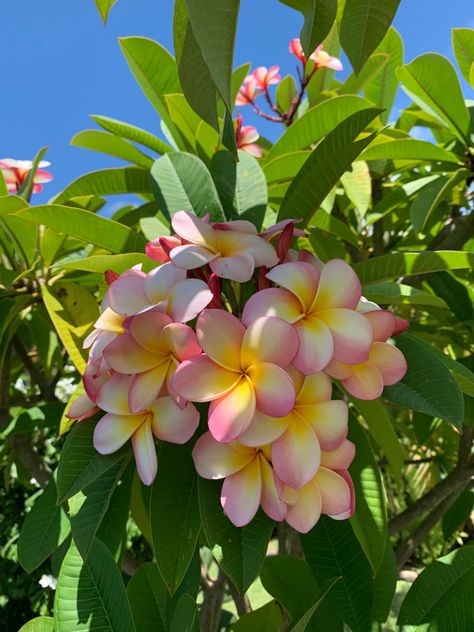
column 185, row 334
column 15, row 173
column 258, row 83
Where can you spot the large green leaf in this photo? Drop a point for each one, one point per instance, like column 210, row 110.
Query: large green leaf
column 148, row 599
column 357, row 184
column 26, row 188
column 385, row 584
column 102, row 263
column 401, row 264
column 326, row 222
column 130, row 132
column 400, row 294
column 458, row 514
column 174, row 513
column 383, row 87
column 332, row 550
column 90, row 595
column 316, row 123
column 239, row 551
column 355, row 83
column 86, row 226
column 182, row 182
column 185, row 616
column 104, row 7
column 363, row 26
column 45, row 527
column 431, row 81
column 329, row 160
column 463, row 44
column 72, row 311
column 453, row 292
column 113, row 527
column 284, row 167
column 370, row 518
column 267, row 618
column 107, row 182
column 441, row 597
column 198, row 136
column 428, row 385
column 319, row 16
column 112, row 146
column 407, row 149
column 80, row 463
column 302, row 624
column 39, row 624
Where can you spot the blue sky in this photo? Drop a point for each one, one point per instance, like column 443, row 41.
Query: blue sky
column 60, row 65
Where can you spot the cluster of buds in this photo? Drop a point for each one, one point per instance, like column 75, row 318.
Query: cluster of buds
column 238, row 319
column 258, row 83
column 15, row 173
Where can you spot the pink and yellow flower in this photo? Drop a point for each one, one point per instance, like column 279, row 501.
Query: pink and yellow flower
column 15, row 173
column 321, row 306
column 240, row 372
column 248, row 92
column 265, row 77
column 385, row 365
column 232, row 250
column 249, row 479
column 296, row 49
column 163, row 419
column 322, row 59
column 246, row 137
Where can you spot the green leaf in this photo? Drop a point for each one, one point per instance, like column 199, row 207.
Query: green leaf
column 358, row 186
column 102, row 263
column 431, row 81
column 332, row 550
column 45, row 527
column 3, row 185
column 148, row 599
column 355, row 83
column 40, row 624
column 130, row 132
column 72, row 311
column 80, row 463
column 302, row 624
column 182, row 182
column 463, row 44
column 324, row 221
column 401, row 264
column 369, row 521
column 330, row 159
column 463, row 376
column 112, row 146
column 185, row 616
column 457, row 515
column 407, row 149
column 89, row 506
column 104, row 7
column 267, row 618
column 454, row 293
column 86, row 226
column 316, row 123
column 194, row 74
column 385, row 584
column 90, row 595
column 239, row 551
column 286, row 91
column 174, row 513
column 319, row 16
column 382, row 88
column 26, row 188
column 238, row 76
column 113, row 527
column 107, row 182
column 428, row 385
column 363, row 26
column 401, row 294
column 442, row 595
column 285, row 167
column 197, row 135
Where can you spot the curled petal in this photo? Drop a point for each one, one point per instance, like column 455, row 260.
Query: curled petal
column 305, row 513
column 339, row 459
column 241, row 494
column 113, row 431
column 299, row 278
column 335, row 492
column 351, row 332
column 145, row 387
column 328, row 420
column 172, row 423
column 216, row 460
column 202, row 380
column 383, row 323
column 390, row 361
column 263, row 430
column 348, row 513
column 231, row 415
column 237, row 267
column 274, row 390
column 193, row 229
column 221, row 335
column 316, row 346
column 339, row 286
column 81, row 408
column 113, row 395
column 191, row 256
column 145, row 453
column 365, row 381
column 271, row 503
column 296, row 454
column 272, row 302
column 269, row 339
column 160, row 281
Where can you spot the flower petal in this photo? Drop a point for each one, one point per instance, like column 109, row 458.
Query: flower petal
column 172, row 423
column 233, row 242
column 339, row 286
column 81, row 408
column 217, row 460
column 269, row 339
column 193, row 229
column 180, row 340
column 272, row 302
column 334, row 490
column 113, row 431
column 230, row 415
column 271, row 503
column 328, row 420
column 315, row 388
column 113, row 395
column 126, row 356
column 145, row 387
column 296, row 454
column 338, row 370
column 274, row 390
column 145, row 329
column 263, row 430
column 300, row 278
column 237, row 267
column 202, row 380
column 145, row 453
column 349, row 512
column 241, row 494
column 159, row 282
column 191, row 256
column 220, row 335
column 305, row 513
column 383, row 323
column 187, row 299
column 339, row 459
column 351, row 332
column 127, row 294
column 365, row 381
column 390, row 361
column 316, row 345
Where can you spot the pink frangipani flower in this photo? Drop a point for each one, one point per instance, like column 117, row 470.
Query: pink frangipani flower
column 15, row 173
column 232, row 250
column 296, row 49
column 320, row 304
column 248, row 92
column 322, row 59
column 246, row 137
column 265, row 77
column 240, row 372
column 249, row 479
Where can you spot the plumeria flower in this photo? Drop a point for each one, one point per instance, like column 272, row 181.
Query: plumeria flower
column 296, row 49
column 232, row 250
column 266, row 77
column 321, row 306
column 330, row 492
column 240, row 372
column 15, row 173
column 315, row 423
column 245, row 137
column 151, row 349
column 386, row 365
column 159, row 249
column 248, row 92
column 249, row 479
column 163, row 419
column 322, row 59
